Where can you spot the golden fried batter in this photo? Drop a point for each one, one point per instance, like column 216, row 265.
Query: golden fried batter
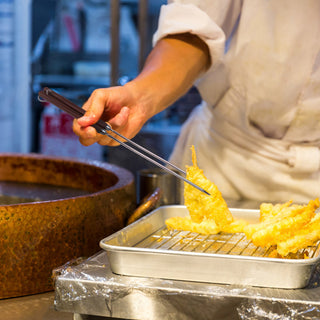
column 303, row 238
column 199, row 204
column 205, row 227
column 276, row 232
column 283, row 226
column 269, row 211
column 275, row 215
column 286, row 227
column 186, row 224
column 236, row 226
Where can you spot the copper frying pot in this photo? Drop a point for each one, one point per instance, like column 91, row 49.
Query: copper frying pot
column 37, row 237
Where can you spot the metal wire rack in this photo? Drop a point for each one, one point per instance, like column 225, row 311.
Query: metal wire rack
column 221, row 243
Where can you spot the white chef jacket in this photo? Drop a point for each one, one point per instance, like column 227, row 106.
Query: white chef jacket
column 257, row 132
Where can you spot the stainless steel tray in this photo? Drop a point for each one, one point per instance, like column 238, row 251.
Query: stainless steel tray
column 147, row 248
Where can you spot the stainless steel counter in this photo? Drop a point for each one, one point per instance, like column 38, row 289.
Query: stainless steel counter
column 91, row 289
column 32, row 307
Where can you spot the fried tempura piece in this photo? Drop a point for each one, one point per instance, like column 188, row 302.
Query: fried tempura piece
column 269, row 211
column 200, row 205
column 277, row 232
column 282, row 227
column 285, row 227
column 186, row 224
column 285, row 212
column 305, row 237
column 205, row 226
column 235, row 226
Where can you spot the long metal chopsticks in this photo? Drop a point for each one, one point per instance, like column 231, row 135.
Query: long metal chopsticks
column 104, row 128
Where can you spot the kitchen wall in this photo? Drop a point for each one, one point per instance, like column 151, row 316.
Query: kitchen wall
column 14, row 75
column 72, row 55
column 65, row 45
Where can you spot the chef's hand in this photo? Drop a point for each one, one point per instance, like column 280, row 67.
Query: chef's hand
column 120, row 106
column 169, row 72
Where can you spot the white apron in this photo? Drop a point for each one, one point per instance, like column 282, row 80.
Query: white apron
column 257, row 133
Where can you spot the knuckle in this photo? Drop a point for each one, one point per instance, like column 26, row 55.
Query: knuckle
column 98, row 93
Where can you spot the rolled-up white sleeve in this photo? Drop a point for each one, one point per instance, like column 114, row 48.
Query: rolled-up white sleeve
column 188, row 18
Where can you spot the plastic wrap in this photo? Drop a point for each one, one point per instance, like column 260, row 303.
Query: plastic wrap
column 90, row 288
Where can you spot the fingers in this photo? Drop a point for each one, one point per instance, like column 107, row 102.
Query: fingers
column 113, row 105
column 94, row 107
column 121, row 119
column 118, row 123
column 87, row 135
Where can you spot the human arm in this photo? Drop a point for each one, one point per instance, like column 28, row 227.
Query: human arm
column 173, row 65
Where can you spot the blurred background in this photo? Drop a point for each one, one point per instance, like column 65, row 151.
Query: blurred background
column 74, row 47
